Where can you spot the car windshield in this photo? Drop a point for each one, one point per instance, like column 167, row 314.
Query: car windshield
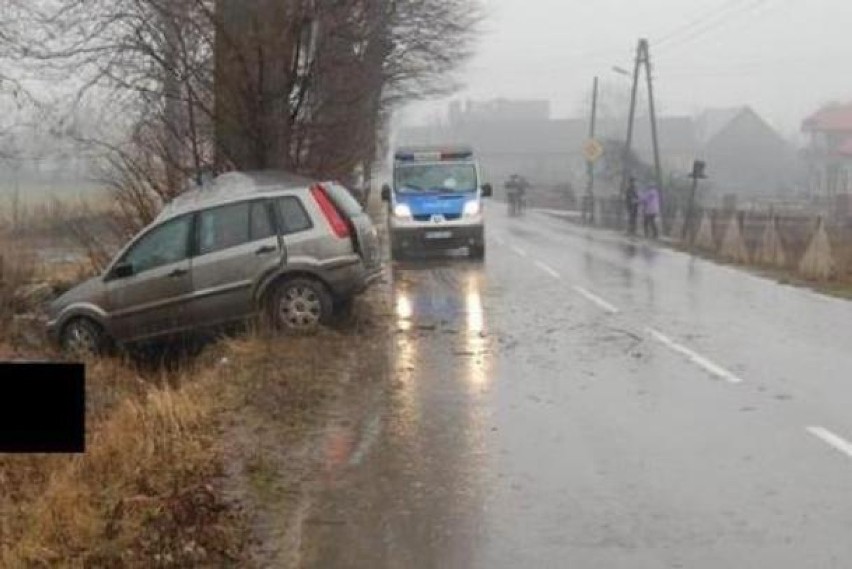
column 436, row 178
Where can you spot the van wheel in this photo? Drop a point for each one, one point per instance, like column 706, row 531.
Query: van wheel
column 82, row 337
column 300, row 305
column 397, row 252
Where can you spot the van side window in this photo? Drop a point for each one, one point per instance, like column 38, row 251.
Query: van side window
column 163, row 245
column 292, row 214
column 261, row 221
column 223, row 227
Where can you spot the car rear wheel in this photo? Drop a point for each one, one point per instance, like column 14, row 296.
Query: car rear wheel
column 83, row 337
column 477, row 251
column 301, row 305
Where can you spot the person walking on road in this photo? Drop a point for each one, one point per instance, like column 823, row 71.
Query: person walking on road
column 631, row 200
column 650, row 210
column 516, row 188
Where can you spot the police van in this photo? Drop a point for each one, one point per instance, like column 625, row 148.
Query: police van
column 435, row 201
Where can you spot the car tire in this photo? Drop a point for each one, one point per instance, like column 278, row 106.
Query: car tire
column 397, row 252
column 83, row 337
column 300, row 305
column 477, row 251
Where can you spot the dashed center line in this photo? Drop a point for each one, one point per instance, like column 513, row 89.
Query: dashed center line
column 596, row 299
column 836, row 441
column 695, row 357
column 519, row 251
column 547, row 269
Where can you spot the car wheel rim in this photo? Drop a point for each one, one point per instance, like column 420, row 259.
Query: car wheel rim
column 300, row 307
column 80, row 340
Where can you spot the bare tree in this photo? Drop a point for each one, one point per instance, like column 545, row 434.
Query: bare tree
column 290, row 84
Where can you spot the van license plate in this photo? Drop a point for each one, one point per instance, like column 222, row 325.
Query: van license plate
column 439, row 234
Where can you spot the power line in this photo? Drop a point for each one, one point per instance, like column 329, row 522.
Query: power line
column 714, row 24
column 698, row 21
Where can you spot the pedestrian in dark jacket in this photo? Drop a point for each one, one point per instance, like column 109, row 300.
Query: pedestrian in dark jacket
column 631, row 200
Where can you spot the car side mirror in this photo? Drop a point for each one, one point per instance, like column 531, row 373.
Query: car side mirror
column 121, row 271
column 487, row 190
column 386, row 193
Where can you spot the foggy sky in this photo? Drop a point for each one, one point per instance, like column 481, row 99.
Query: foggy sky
column 783, row 57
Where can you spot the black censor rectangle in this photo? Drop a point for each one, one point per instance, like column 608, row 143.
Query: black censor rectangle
column 42, row 408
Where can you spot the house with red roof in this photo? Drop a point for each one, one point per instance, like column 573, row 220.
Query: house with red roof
column 829, row 154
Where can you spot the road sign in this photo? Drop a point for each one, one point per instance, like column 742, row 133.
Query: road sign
column 592, row 150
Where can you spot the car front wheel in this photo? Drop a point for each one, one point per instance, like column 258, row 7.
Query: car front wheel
column 83, row 337
column 301, row 305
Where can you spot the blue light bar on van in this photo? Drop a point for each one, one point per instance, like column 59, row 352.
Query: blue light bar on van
column 433, row 156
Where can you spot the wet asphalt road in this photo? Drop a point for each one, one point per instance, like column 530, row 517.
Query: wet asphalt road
column 581, row 400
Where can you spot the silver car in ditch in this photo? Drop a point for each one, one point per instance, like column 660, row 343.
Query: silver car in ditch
column 247, row 244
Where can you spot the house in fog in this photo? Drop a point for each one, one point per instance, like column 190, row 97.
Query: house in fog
column 829, row 152
column 744, row 154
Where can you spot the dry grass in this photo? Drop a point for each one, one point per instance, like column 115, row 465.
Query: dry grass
column 138, row 497
column 18, row 267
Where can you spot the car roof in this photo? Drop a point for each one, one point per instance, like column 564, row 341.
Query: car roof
column 232, row 187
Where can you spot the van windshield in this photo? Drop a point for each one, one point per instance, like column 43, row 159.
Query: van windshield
column 436, row 178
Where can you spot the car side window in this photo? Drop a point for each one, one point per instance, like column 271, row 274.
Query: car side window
column 261, row 222
column 163, row 245
column 223, row 227
column 292, row 214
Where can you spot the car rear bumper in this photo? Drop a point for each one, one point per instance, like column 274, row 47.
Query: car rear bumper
column 352, row 279
column 438, row 237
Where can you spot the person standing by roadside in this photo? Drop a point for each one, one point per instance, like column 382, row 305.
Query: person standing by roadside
column 650, row 210
column 631, row 200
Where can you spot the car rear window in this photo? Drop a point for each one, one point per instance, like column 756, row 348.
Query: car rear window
column 293, row 216
column 343, row 200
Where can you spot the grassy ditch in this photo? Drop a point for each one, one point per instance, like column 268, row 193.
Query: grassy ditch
column 141, row 495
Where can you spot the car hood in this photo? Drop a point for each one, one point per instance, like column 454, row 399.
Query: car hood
column 88, row 291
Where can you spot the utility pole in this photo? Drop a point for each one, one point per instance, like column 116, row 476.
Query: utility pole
column 631, row 117
column 653, row 112
column 643, row 58
column 590, row 165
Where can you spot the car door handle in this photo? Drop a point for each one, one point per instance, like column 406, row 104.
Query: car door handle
column 177, row 273
column 266, row 249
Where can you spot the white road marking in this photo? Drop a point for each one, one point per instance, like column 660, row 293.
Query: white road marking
column 839, row 443
column 597, row 300
column 695, row 357
column 499, row 240
column 519, row 251
column 547, row 269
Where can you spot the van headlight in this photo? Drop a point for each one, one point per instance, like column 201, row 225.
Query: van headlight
column 402, row 210
column 472, row 208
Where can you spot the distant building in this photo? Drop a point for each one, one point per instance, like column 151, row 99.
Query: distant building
column 520, row 137
column 829, row 152
column 499, row 110
column 744, row 154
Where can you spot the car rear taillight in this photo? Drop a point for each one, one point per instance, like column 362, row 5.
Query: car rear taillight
column 338, row 225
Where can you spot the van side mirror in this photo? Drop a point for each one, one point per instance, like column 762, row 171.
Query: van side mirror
column 121, row 271
column 386, row 193
column 487, row 190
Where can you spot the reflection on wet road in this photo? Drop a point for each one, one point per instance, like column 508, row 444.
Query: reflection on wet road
column 581, row 400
